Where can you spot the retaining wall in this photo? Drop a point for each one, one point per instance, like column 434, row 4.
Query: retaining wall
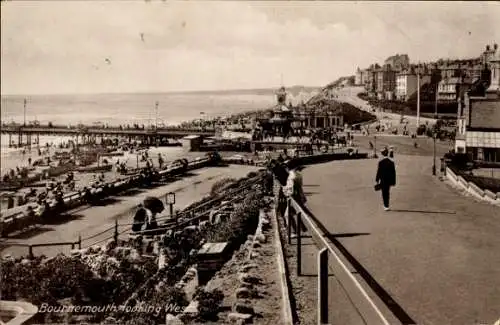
column 472, row 188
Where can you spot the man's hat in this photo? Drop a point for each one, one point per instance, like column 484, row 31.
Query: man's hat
column 384, row 151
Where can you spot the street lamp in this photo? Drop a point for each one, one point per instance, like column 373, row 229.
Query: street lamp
column 434, row 135
column 170, row 200
column 375, row 147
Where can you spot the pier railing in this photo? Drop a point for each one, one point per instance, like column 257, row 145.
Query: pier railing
column 298, row 220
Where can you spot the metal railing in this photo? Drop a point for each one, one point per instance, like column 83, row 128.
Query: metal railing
column 297, row 221
column 190, row 215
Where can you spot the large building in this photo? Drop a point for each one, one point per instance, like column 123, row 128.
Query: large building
column 362, row 77
column 488, row 54
column 386, row 82
column 323, row 118
column 453, row 88
column 406, row 83
column 478, row 123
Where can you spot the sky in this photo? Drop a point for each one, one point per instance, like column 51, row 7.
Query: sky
column 52, row 47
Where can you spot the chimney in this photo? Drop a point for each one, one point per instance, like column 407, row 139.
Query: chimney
column 495, row 46
column 487, row 47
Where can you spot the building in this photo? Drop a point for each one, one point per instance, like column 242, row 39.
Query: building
column 398, row 61
column 451, row 89
column 362, row 77
column 365, row 76
column 386, row 82
column 406, row 83
column 488, row 54
column 478, row 124
column 358, row 77
column 321, row 118
column 450, row 70
column 371, row 84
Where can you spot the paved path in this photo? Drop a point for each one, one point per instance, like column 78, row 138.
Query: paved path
column 89, row 221
column 436, row 253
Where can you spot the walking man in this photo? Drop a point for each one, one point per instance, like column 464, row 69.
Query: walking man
column 386, row 177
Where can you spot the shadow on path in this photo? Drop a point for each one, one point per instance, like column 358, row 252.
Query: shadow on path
column 391, row 304
column 347, row 235
column 28, row 233
column 423, row 211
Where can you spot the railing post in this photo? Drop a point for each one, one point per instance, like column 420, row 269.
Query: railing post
column 116, row 231
column 323, row 287
column 288, row 220
column 30, row 251
column 299, row 243
column 79, row 241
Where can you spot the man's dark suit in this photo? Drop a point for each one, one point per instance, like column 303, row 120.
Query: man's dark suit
column 386, row 177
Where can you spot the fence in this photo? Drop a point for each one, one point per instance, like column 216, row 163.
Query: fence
column 188, row 216
column 296, row 218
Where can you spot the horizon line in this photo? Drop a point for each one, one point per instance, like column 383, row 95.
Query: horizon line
column 158, row 91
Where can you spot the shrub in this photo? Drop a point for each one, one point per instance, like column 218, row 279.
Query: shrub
column 209, row 303
column 221, row 185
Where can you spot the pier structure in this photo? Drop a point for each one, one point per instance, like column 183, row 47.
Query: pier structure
column 89, row 134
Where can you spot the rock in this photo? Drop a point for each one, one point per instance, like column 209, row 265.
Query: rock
column 247, row 267
column 250, row 237
column 247, row 285
column 243, row 307
column 254, row 255
column 239, row 318
column 190, row 229
column 247, row 278
column 261, row 238
column 173, row 320
column 256, row 244
column 203, row 225
column 242, row 293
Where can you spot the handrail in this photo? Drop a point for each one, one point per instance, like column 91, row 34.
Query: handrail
column 366, row 307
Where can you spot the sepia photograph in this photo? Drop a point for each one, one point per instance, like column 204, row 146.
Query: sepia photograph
column 168, row 162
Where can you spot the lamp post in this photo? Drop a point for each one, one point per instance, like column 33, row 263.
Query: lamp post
column 24, row 108
column 418, row 99
column 434, row 133
column 170, row 200
column 375, row 147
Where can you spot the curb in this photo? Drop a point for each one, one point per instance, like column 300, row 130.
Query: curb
column 283, row 275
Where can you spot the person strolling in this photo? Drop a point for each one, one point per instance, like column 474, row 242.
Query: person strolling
column 386, row 177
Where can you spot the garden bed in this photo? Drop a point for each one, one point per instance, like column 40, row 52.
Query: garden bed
column 248, row 285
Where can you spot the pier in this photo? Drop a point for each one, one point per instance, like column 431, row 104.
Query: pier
column 28, row 134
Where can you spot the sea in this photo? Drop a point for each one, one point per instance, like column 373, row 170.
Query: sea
column 119, row 109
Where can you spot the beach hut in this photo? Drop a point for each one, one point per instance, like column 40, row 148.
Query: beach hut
column 192, row 142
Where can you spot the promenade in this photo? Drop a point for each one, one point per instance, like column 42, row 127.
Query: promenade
column 435, row 254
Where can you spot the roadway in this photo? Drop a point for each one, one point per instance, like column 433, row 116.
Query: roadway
column 435, row 254
column 87, row 221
